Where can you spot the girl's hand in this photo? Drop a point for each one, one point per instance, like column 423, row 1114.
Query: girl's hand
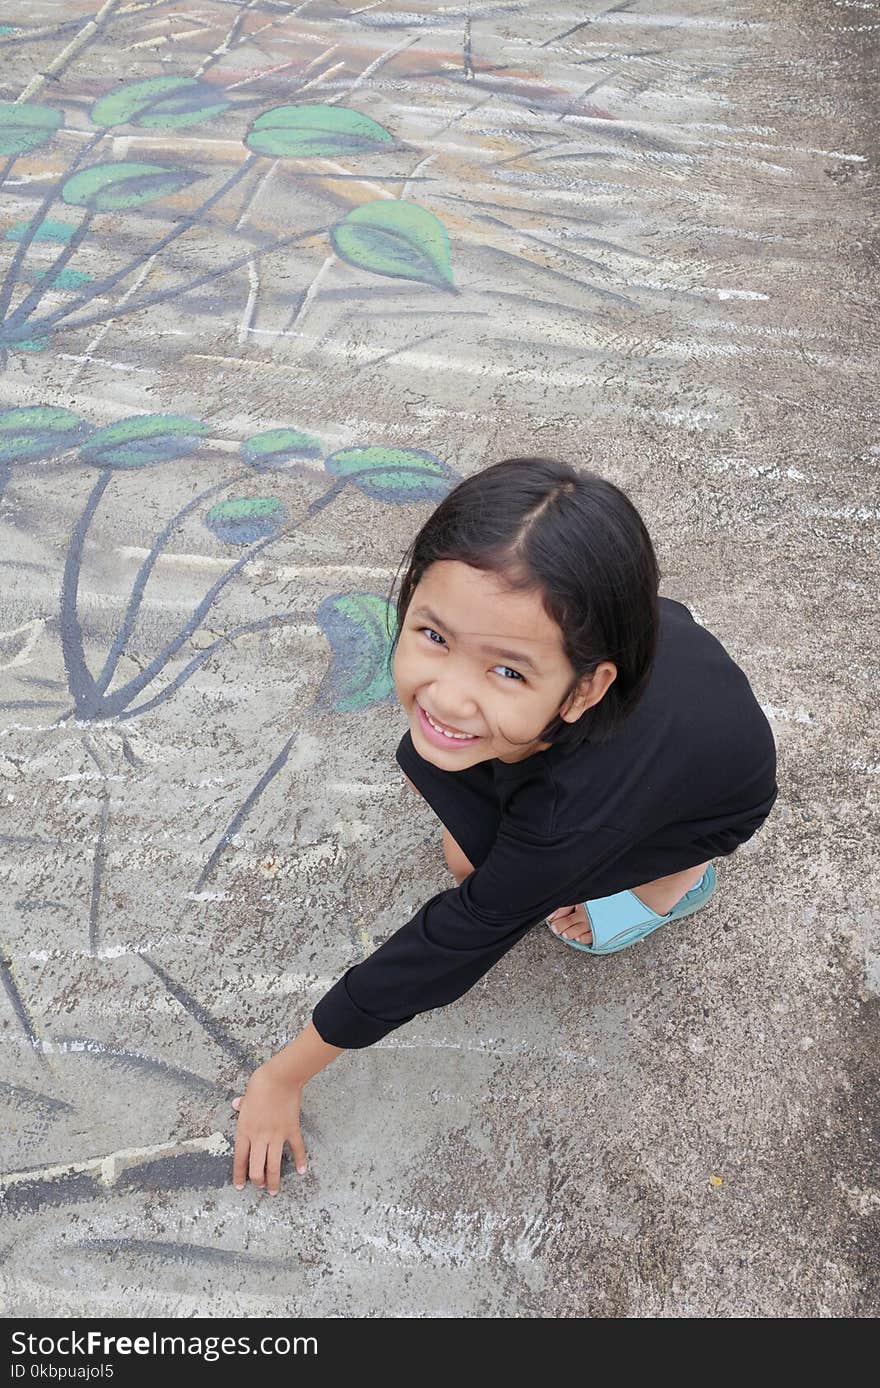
column 268, row 1116
column 572, row 923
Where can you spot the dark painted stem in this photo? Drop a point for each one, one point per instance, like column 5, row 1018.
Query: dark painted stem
column 331, row 493
column 36, row 222
column 140, row 583
column 21, row 251
column 43, row 285
column 261, row 624
column 244, row 810
column 18, row 1006
column 87, row 693
column 100, row 287
column 98, row 873
column 105, row 315
column 49, row 32
column 217, row 1032
column 79, row 680
column 116, row 702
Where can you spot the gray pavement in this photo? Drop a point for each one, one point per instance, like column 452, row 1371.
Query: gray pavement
column 644, row 239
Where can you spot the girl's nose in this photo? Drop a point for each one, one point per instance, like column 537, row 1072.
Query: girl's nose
column 456, row 713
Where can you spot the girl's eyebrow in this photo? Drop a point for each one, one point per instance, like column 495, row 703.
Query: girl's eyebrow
column 518, row 656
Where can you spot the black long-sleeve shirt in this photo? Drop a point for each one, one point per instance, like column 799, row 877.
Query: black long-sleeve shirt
column 690, row 775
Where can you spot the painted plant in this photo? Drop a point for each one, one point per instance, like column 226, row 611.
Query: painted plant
column 389, row 237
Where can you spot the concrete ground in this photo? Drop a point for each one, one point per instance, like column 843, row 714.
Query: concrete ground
column 662, row 265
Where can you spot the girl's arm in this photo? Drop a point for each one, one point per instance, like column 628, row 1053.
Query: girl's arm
column 268, row 1113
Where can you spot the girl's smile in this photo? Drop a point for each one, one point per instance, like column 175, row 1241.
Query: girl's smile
column 442, row 739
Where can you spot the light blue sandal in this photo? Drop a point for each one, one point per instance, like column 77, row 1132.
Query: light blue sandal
column 622, row 920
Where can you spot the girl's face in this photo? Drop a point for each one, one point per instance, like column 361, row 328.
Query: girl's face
column 483, row 662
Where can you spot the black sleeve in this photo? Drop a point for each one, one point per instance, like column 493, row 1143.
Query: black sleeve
column 456, row 937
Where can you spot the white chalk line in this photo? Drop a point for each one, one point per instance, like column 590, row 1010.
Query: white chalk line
column 214, row 563
column 784, row 715
column 109, row 1168
column 501, row 116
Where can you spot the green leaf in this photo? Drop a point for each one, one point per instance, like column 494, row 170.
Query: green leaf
column 143, row 439
column 70, row 279
column 396, row 238
column 46, row 231
column 244, row 519
column 275, row 449
column 394, row 474
column 305, row 132
column 359, row 628
column 32, row 432
column 64, row 279
column 29, row 344
column 111, row 187
column 24, row 126
column 166, row 102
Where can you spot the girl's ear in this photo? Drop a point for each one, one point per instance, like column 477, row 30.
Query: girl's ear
column 589, row 691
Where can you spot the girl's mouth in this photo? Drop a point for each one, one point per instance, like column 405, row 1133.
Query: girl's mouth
column 439, row 739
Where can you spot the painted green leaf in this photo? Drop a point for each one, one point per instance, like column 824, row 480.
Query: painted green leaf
column 24, row 126
column 244, row 519
column 394, row 474
column 111, row 187
column 143, row 439
column 29, row 344
column 70, row 279
column 305, row 132
column 46, row 231
column 165, row 102
column 30, row 433
column 275, row 449
column 64, row 279
column 392, row 237
column 359, row 628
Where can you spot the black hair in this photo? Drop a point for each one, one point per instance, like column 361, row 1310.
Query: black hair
column 579, row 542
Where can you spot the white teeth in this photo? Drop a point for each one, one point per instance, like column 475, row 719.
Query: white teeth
column 458, row 736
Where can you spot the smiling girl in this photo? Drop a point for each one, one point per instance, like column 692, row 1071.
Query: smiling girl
column 587, row 746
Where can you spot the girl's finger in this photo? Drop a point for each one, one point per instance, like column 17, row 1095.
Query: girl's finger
column 236, row 1104
column 257, row 1164
column 297, row 1147
column 273, row 1167
column 240, row 1160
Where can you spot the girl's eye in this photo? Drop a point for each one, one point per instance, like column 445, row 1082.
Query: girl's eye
column 429, row 631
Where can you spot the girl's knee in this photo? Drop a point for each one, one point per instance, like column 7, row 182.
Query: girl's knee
column 458, row 864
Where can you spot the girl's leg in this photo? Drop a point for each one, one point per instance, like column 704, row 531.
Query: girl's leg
column 456, row 861
column 660, row 895
column 573, row 922
column 666, row 892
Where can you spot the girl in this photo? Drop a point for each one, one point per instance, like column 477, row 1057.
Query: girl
column 587, row 745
